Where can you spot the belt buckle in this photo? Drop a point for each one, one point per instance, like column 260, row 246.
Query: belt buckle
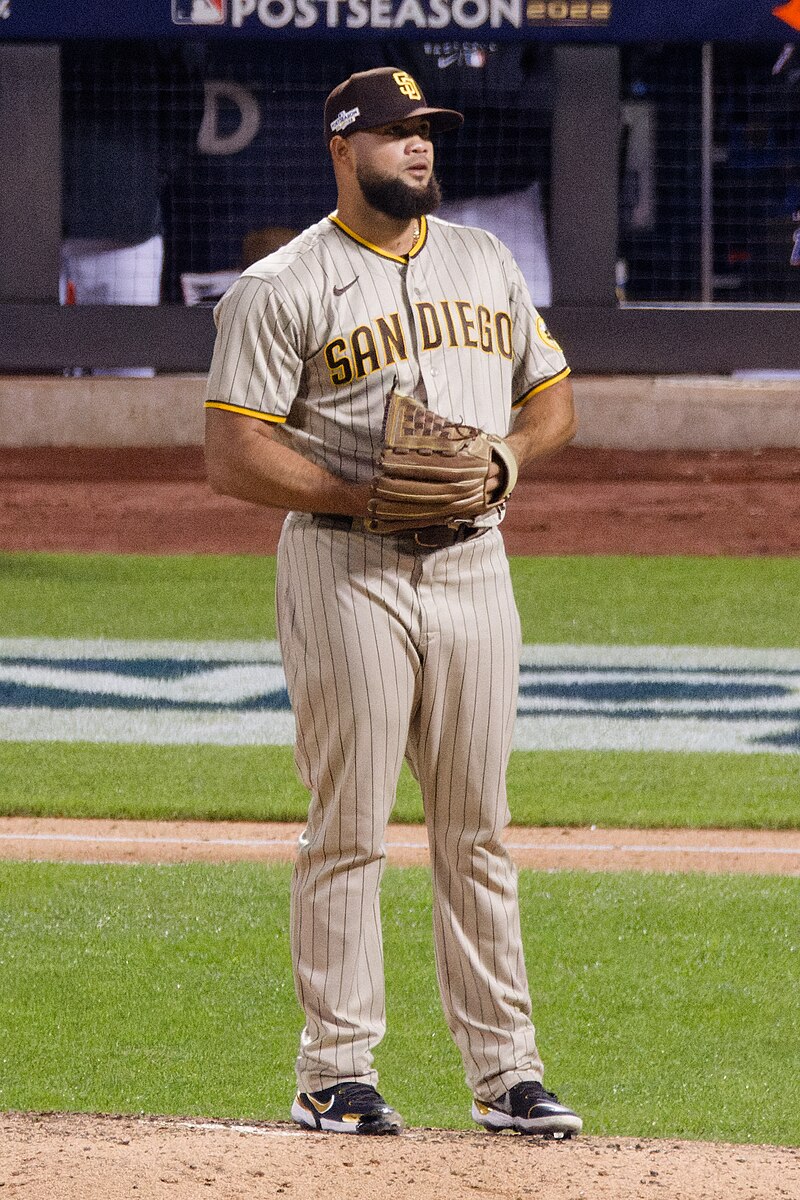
column 336, row 521
column 439, row 536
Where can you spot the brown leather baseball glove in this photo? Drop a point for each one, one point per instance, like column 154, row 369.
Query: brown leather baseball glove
column 433, row 472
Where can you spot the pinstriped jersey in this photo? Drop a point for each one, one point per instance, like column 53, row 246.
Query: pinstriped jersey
column 315, row 336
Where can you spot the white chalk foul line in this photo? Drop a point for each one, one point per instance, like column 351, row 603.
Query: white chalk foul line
column 105, row 839
column 262, row 1131
column 570, row 848
column 221, row 1127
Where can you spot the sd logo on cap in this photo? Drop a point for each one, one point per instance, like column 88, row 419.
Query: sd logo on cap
column 370, row 99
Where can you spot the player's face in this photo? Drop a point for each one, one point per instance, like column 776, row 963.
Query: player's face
column 394, row 168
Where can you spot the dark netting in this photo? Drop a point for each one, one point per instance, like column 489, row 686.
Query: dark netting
column 218, row 147
column 218, row 144
column 756, row 173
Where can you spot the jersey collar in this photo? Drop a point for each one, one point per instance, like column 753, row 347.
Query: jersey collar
column 401, row 258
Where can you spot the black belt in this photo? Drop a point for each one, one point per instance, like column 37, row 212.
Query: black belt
column 431, row 537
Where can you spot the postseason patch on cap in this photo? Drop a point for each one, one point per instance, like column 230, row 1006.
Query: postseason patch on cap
column 344, row 118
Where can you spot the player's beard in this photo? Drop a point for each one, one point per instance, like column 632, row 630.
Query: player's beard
column 397, row 199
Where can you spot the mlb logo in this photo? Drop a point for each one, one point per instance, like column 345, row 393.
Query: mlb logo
column 198, row 12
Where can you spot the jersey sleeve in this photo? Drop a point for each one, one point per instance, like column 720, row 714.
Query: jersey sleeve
column 539, row 361
column 256, row 364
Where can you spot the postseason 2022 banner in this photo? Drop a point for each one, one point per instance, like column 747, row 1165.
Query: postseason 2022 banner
column 552, row 20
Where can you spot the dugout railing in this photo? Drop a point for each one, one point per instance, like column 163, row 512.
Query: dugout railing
column 37, row 334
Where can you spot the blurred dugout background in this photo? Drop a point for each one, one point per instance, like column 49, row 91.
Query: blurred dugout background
column 204, row 145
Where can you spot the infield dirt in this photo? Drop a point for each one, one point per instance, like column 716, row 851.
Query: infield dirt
column 155, row 501
column 107, row 1158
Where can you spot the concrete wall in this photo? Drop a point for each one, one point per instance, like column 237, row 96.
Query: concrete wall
column 687, row 413
column 625, row 412
column 166, row 410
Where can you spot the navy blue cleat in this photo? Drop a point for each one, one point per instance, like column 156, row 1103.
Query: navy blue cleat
column 528, row 1108
column 346, row 1108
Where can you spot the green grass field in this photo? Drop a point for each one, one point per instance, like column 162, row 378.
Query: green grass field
column 636, row 601
column 615, row 600
column 259, row 783
column 665, row 1005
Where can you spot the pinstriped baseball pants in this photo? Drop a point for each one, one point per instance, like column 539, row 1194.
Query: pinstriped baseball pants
column 390, row 654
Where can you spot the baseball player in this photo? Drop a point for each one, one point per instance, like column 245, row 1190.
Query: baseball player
column 397, row 624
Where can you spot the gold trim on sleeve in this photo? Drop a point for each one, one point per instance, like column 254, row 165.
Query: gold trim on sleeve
column 540, row 387
column 246, row 412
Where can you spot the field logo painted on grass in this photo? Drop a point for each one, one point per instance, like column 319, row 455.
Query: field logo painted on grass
column 234, row 693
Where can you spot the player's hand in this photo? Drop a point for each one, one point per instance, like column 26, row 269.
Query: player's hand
column 434, row 472
column 495, row 480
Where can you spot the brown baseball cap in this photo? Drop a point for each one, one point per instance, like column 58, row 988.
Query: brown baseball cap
column 369, row 99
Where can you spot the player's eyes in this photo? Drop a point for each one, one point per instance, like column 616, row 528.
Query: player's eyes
column 402, row 131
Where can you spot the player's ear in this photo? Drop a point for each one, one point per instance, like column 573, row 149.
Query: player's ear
column 340, row 150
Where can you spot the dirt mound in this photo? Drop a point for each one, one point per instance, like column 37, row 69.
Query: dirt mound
column 108, row 1158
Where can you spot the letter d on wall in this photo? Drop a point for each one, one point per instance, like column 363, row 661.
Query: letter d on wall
column 210, row 139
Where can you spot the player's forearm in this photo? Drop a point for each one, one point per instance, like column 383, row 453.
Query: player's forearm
column 247, row 462
column 306, row 488
column 545, row 424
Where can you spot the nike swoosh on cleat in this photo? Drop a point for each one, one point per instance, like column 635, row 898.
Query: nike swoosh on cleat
column 319, row 1106
column 340, row 291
